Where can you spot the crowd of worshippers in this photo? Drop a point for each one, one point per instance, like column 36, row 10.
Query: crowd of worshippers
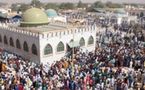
column 115, row 65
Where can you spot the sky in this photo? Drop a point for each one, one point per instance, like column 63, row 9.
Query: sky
column 88, row 1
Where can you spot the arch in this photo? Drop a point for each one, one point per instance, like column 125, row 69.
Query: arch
column 25, row 47
column 60, row 47
column 48, row 49
column 82, row 42
column 34, row 49
column 5, row 40
column 18, row 45
column 91, row 40
column 0, row 38
column 11, row 42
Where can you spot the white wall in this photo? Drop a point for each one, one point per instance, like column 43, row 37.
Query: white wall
column 42, row 41
column 53, row 41
column 22, row 37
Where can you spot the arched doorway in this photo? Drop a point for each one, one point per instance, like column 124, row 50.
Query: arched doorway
column 34, row 49
column 72, row 47
column 25, row 47
column 82, row 42
column 11, row 42
column 5, row 40
column 18, row 45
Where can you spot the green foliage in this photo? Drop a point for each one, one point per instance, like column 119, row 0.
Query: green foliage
column 67, row 6
column 106, row 5
column 52, row 6
column 36, row 3
column 81, row 5
column 113, row 5
column 20, row 7
column 24, row 7
column 15, row 7
column 99, row 4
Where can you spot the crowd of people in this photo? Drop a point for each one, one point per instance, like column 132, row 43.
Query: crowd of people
column 114, row 65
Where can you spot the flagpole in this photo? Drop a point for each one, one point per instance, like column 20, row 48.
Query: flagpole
column 73, row 46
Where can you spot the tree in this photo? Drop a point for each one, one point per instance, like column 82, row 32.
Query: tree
column 81, row 5
column 99, row 4
column 113, row 5
column 67, row 6
column 15, row 7
column 36, row 3
column 133, row 4
column 109, row 4
column 20, row 7
column 52, row 6
column 24, row 7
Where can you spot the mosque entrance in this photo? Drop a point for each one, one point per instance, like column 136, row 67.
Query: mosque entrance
column 71, row 48
column 68, row 51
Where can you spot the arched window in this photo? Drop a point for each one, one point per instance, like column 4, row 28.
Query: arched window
column 48, row 49
column 11, row 42
column 60, row 47
column 91, row 40
column 34, row 49
column 25, row 47
column 5, row 40
column 82, row 42
column 18, row 45
column 0, row 38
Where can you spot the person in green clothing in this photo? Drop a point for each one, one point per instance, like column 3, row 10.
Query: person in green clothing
column 36, row 85
column 44, row 86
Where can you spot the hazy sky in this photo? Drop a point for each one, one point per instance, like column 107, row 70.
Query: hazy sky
column 116, row 1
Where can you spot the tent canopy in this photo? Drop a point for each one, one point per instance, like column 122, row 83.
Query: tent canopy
column 73, row 44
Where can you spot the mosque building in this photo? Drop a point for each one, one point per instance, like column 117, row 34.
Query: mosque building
column 38, row 39
column 116, row 16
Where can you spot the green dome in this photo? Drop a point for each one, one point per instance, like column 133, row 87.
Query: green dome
column 51, row 13
column 34, row 16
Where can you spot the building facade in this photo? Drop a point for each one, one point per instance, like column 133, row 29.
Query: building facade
column 43, row 42
column 47, row 46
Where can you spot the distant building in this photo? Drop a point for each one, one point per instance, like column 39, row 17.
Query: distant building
column 136, row 12
column 116, row 16
column 120, row 16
